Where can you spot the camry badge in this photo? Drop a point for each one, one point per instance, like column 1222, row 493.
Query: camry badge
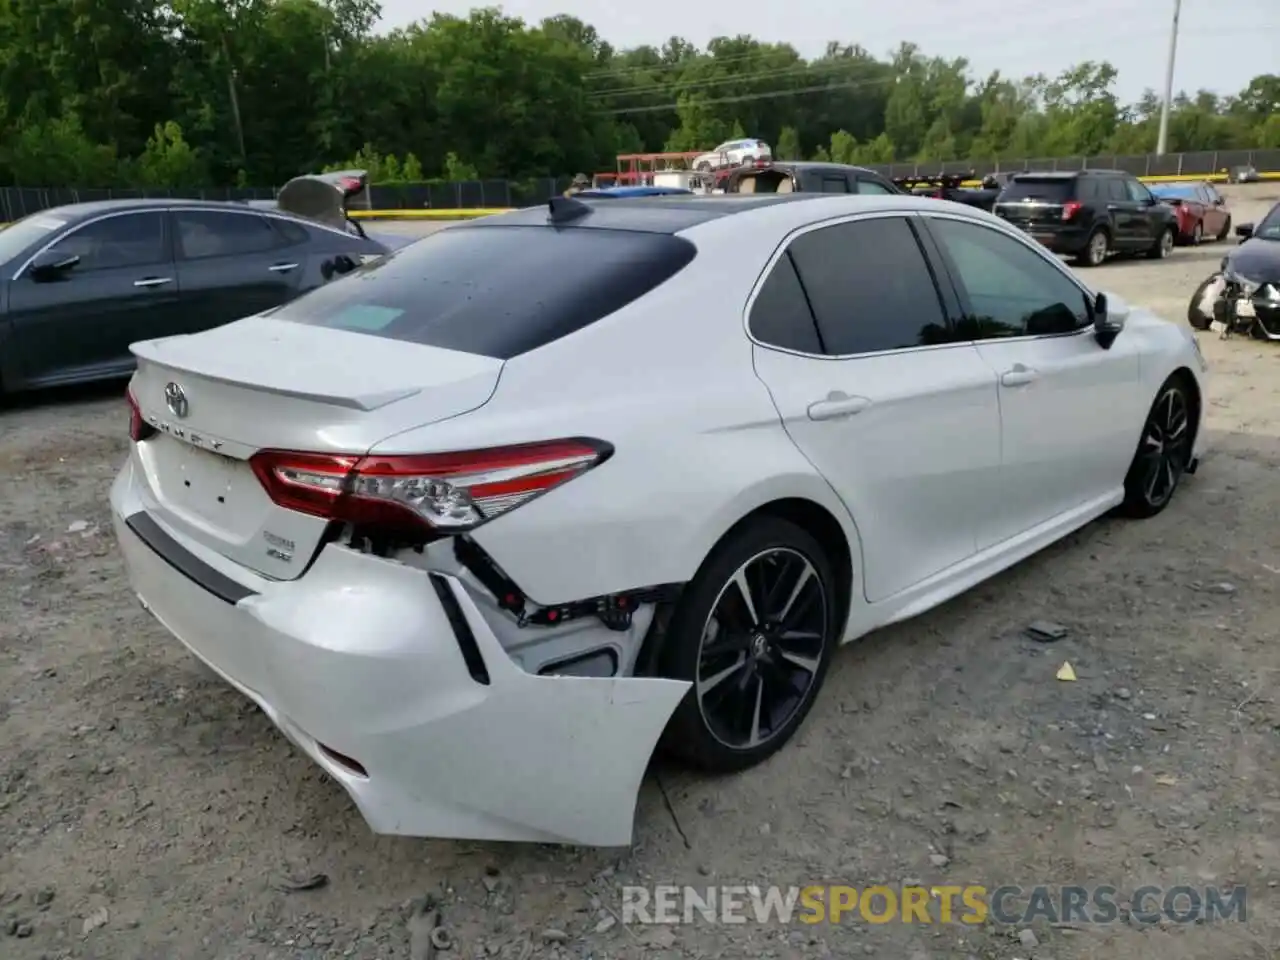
column 176, row 400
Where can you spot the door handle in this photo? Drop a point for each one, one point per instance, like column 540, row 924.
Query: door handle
column 837, row 405
column 152, row 281
column 1113, row 206
column 1018, row 376
column 282, row 267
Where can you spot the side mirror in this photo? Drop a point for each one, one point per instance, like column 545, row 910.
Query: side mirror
column 1109, row 314
column 52, row 265
column 1244, row 231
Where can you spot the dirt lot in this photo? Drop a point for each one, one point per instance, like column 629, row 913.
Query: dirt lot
column 147, row 811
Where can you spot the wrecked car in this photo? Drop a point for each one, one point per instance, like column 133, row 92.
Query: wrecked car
column 1243, row 294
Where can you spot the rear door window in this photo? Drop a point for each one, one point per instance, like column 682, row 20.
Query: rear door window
column 870, row 287
column 1049, row 189
column 835, row 184
column 495, row 291
column 211, row 233
column 780, row 315
column 1116, row 191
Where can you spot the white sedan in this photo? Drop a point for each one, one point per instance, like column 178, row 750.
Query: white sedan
column 477, row 530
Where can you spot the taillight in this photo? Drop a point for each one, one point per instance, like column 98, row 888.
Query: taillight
column 139, row 429
column 441, row 492
column 1070, row 209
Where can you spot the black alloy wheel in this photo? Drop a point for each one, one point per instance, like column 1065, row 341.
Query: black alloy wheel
column 761, row 648
column 1163, row 452
column 754, row 634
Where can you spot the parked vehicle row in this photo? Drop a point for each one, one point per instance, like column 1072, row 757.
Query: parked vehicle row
column 1201, row 211
column 476, row 569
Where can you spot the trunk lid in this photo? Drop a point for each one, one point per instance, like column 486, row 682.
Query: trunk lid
column 217, row 397
column 1027, row 201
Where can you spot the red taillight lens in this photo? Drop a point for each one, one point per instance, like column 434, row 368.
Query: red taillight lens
column 139, row 429
column 1070, row 209
column 443, row 492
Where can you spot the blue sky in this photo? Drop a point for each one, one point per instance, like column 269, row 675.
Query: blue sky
column 1222, row 44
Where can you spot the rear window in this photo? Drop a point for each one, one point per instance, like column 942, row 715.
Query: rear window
column 1052, row 190
column 765, row 181
column 1182, row 191
column 495, row 291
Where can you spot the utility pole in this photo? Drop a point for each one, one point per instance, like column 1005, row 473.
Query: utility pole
column 232, row 76
column 1162, row 142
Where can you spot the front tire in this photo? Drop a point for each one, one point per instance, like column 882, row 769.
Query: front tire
column 754, row 634
column 1164, row 451
column 1226, row 231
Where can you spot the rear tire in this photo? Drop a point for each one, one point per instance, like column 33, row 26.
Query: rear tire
column 756, row 667
column 1095, row 249
column 1164, row 245
column 1164, row 450
column 1197, row 235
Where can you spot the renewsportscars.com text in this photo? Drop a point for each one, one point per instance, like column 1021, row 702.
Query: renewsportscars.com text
column 941, row 904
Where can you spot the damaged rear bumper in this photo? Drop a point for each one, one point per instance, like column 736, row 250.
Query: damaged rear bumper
column 389, row 678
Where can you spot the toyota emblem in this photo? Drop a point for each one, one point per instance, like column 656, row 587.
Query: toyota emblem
column 176, row 400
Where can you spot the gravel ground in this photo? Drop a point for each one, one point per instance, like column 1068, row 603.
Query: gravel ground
column 148, row 811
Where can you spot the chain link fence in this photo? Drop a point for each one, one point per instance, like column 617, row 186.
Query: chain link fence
column 17, row 202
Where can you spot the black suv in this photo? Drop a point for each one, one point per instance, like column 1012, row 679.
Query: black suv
column 1089, row 214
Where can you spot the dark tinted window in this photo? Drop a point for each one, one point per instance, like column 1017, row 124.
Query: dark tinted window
column 1116, row 190
column 289, row 231
column 1086, row 189
column 835, row 185
column 210, row 233
column 872, row 187
column 780, row 315
column 869, row 286
column 127, row 240
column 1012, row 290
column 496, row 291
column 1049, row 189
column 1269, row 228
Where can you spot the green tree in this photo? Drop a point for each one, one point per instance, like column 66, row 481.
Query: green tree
column 169, row 161
column 788, row 145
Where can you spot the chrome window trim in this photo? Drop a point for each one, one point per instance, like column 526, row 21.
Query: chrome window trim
column 80, row 226
column 179, row 208
column 1000, row 228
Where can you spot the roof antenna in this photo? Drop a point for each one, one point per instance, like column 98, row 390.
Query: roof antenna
column 564, row 209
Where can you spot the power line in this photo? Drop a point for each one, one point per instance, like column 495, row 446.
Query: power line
column 743, row 98
column 676, row 87
column 800, row 69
